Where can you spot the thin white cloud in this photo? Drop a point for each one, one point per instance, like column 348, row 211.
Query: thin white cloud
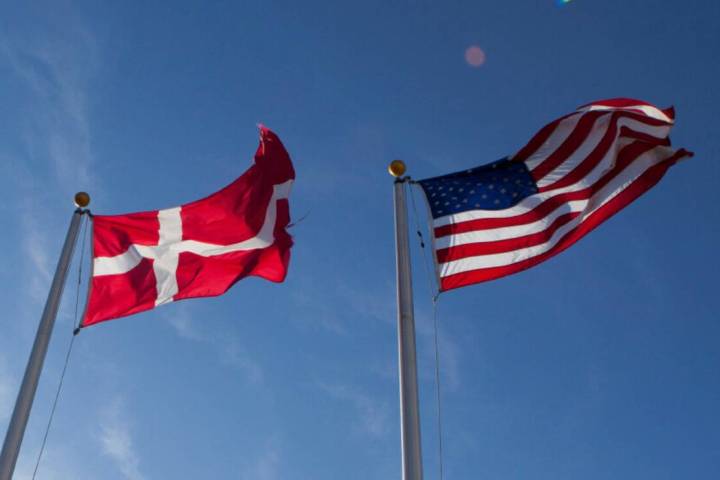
column 181, row 321
column 372, row 415
column 235, row 355
column 351, row 302
column 317, row 312
column 116, row 440
column 36, row 249
column 448, row 351
column 377, row 303
column 449, row 362
column 8, row 390
column 56, row 70
column 266, row 467
column 229, row 349
column 36, row 242
column 55, row 66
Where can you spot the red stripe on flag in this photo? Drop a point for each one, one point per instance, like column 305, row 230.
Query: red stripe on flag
column 538, row 213
column 587, row 164
column 146, row 259
column 539, row 139
column 569, row 146
column 581, row 134
column 626, row 156
column 627, row 132
column 114, row 296
column 643, row 183
column 488, row 248
column 627, row 103
column 199, row 276
column 113, row 234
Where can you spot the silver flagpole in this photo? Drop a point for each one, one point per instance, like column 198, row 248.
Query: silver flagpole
column 409, row 409
column 23, row 404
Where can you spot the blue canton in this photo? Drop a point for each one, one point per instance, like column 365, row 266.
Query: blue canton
column 494, row 186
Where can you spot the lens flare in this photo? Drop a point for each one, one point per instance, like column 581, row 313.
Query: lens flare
column 560, row 3
column 474, row 56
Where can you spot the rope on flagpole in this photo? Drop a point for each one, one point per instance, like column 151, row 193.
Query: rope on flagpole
column 69, row 351
column 297, row 222
column 437, row 382
column 80, row 266
column 427, row 260
column 435, row 296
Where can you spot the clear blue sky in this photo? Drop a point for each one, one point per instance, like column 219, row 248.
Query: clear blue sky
column 602, row 363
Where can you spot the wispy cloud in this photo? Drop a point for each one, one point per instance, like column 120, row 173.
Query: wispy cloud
column 56, row 70
column 349, row 303
column 236, row 356
column 181, row 321
column 377, row 303
column 116, row 440
column 317, row 312
column 266, row 467
column 36, row 250
column 55, row 67
column 372, row 415
column 448, row 352
column 230, row 350
column 449, row 362
column 8, row 390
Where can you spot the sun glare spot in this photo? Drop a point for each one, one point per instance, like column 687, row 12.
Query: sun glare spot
column 474, row 56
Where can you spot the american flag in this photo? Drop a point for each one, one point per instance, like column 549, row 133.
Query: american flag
column 575, row 173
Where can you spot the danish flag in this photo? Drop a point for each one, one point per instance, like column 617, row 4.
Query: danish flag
column 200, row 249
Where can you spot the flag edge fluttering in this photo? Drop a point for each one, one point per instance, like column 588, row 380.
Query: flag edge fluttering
column 630, row 108
column 269, row 145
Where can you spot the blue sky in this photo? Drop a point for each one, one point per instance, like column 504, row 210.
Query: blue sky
column 601, row 363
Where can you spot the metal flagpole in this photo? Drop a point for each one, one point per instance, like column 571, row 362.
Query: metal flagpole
column 409, row 408
column 23, row 404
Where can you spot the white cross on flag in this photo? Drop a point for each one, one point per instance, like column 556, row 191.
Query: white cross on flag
column 200, row 249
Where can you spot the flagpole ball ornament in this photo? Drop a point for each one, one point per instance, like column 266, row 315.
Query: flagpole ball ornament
column 82, row 199
column 397, row 168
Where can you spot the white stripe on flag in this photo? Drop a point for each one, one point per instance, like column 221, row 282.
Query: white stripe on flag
column 118, row 264
column 558, row 136
column 166, row 259
column 508, row 232
column 648, row 110
column 171, row 234
column 591, row 143
column 531, row 202
column 600, row 198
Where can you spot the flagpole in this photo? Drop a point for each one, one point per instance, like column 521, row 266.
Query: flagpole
column 23, row 404
column 407, row 362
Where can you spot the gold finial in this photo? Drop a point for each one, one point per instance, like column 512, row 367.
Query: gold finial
column 82, row 199
column 396, row 168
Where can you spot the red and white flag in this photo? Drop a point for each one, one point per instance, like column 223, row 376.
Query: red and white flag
column 578, row 171
column 200, row 249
